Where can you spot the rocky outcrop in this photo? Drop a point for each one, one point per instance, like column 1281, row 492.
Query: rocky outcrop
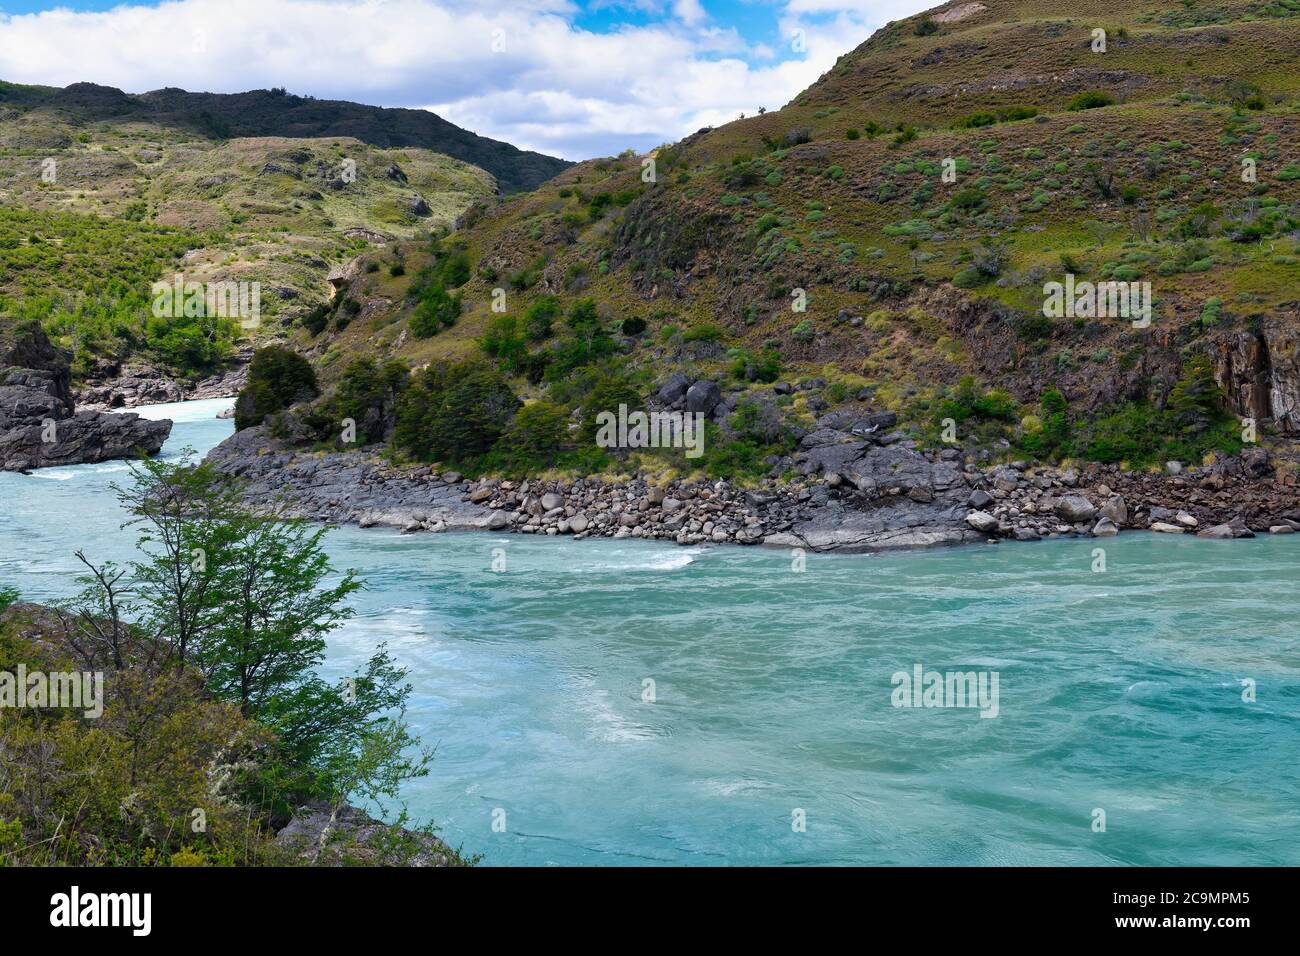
column 138, row 385
column 898, row 497
column 319, row 835
column 39, row 425
column 1259, row 371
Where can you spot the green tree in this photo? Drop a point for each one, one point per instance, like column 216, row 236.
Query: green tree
column 367, row 394
column 249, row 598
column 454, row 413
column 539, row 319
column 501, row 339
column 437, row 310
column 1195, row 402
column 535, row 437
column 278, row 377
column 609, row 392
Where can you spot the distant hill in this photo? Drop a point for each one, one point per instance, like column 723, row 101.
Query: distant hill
column 276, row 113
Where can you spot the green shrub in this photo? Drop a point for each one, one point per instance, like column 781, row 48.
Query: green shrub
column 437, row 310
column 606, row 395
column 1053, row 438
column 454, row 413
column 703, row 332
column 367, row 394
column 319, row 317
column 766, row 367
column 540, row 317
column 1090, row 101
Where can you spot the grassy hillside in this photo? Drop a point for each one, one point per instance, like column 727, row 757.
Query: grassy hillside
column 1124, row 165
column 260, row 113
column 124, row 204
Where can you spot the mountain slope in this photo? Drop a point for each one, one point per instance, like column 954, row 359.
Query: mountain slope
column 275, row 113
column 91, row 217
column 1123, row 165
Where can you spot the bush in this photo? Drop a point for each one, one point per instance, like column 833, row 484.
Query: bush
column 703, row 332
column 587, row 341
column 1053, row 438
column 502, row 339
column 765, row 368
column 539, row 318
column 1016, row 113
column 1192, row 423
column 1090, row 101
column 925, row 26
column 437, row 310
column 319, row 317
column 452, row 268
column 367, row 394
column 633, row 325
column 609, row 392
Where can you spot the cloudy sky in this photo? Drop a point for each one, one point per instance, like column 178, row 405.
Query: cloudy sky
column 574, row 79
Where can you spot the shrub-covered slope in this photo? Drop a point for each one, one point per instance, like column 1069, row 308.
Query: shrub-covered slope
column 91, row 217
column 1171, row 157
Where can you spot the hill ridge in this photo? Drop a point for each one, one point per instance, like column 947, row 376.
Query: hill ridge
column 259, row 113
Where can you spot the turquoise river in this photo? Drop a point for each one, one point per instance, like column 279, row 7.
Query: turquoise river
column 1163, row 691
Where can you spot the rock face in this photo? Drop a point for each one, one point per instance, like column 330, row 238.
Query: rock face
column 39, row 425
column 1260, row 372
column 135, row 386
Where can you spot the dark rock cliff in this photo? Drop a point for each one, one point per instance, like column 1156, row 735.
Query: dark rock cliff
column 39, row 424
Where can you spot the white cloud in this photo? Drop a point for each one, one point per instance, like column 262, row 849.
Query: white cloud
column 545, row 84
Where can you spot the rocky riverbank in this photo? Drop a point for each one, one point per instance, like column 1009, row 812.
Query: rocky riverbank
column 40, row 424
column 136, row 385
column 863, row 487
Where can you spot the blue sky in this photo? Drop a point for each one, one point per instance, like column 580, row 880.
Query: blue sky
column 575, row 79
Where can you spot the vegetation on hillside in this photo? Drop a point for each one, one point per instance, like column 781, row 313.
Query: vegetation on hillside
column 863, row 243
column 91, row 220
